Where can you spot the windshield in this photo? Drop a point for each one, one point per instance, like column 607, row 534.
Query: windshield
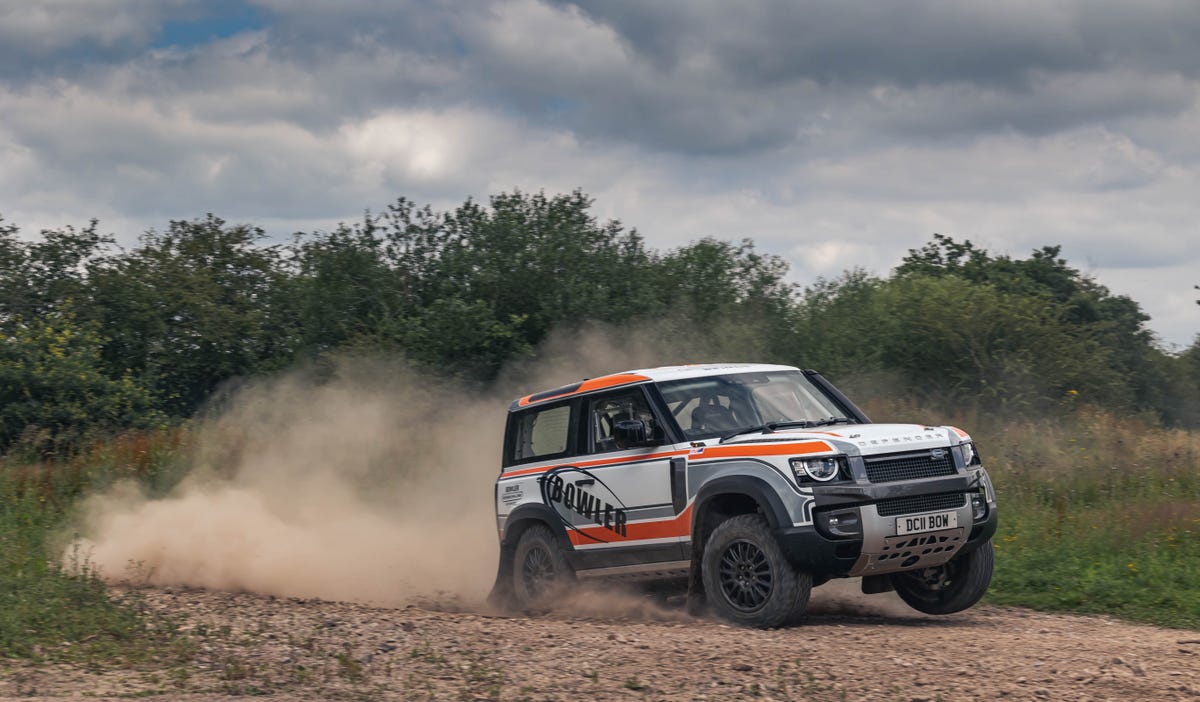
column 719, row 405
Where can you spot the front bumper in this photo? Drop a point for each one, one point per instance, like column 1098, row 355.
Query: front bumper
column 870, row 546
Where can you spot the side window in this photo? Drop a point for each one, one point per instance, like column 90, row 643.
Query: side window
column 603, row 413
column 542, row 433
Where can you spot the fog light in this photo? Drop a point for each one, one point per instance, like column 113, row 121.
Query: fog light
column 844, row 523
column 978, row 506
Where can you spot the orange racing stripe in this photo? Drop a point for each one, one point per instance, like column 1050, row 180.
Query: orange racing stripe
column 731, row 451
column 680, row 525
column 738, row 450
column 599, row 462
column 606, row 381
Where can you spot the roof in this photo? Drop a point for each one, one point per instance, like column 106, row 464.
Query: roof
column 657, row 375
column 700, row 370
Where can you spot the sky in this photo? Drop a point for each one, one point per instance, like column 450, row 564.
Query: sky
column 836, row 133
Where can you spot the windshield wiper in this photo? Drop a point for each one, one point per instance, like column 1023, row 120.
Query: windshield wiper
column 832, row 420
column 770, row 427
column 767, row 428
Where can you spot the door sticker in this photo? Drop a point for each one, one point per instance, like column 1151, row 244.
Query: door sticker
column 571, row 491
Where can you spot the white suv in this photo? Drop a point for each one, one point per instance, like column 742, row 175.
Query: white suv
column 752, row 482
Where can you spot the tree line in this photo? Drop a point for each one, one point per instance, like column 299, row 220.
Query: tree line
column 95, row 338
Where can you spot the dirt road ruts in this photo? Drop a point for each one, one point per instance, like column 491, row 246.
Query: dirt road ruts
column 625, row 648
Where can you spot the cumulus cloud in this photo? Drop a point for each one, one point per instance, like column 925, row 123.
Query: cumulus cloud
column 40, row 28
column 836, row 133
column 912, row 42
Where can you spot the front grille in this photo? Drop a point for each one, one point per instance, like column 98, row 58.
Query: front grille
column 909, row 466
column 920, row 503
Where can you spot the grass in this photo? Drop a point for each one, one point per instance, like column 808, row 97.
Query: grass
column 1140, row 561
column 58, row 608
column 1099, row 513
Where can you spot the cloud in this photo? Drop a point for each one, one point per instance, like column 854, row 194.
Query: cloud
column 41, row 28
column 910, row 42
column 153, row 158
column 838, row 134
column 449, row 152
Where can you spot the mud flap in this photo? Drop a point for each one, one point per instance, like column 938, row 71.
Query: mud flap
column 696, row 601
column 501, row 595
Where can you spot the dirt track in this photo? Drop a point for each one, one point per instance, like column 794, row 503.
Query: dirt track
column 627, row 648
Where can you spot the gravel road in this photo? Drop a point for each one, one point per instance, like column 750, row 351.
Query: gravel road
column 607, row 646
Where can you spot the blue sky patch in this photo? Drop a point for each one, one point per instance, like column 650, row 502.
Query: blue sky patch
column 218, row 20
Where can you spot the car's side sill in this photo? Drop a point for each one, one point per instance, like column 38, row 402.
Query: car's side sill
column 662, row 569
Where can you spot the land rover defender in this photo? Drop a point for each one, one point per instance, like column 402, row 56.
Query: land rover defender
column 752, row 483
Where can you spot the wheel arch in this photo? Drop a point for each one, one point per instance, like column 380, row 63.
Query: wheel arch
column 726, row 497
column 518, row 521
column 526, row 516
column 737, row 494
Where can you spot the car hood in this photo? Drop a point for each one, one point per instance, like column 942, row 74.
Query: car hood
column 867, row 439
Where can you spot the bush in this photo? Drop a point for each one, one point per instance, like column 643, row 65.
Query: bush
column 54, row 389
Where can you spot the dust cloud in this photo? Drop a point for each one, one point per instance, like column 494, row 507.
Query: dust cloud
column 363, row 481
column 844, row 598
column 372, row 484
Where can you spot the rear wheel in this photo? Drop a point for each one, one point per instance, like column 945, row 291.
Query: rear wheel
column 748, row 579
column 948, row 588
column 539, row 568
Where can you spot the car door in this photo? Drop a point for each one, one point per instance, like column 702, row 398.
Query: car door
column 623, row 497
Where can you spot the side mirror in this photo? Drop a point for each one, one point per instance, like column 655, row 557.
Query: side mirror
column 632, row 433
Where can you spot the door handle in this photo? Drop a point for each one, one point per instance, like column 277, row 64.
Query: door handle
column 585, row 481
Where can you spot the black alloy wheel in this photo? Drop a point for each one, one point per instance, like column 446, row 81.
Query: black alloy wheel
column 539, row 568
column 746, row 578
column 537, row 571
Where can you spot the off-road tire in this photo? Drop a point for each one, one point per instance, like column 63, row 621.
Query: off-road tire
column 539, row 568
column 948, row 588
column 747, row 579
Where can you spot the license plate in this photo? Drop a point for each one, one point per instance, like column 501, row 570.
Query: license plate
column 926, row 522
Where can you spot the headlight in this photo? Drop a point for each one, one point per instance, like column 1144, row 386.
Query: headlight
column 969, row 454
column 818, row 469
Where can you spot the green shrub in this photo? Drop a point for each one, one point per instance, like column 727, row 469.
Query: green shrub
column 55, row 392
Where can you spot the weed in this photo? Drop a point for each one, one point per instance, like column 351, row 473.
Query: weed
column 234, row 669
column 350, row 668
column 483, row 681
column 179, row 676
column 426, row 652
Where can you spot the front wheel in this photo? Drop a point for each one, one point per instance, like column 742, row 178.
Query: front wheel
column 539, row 568
column 948, row 588
column 748, row 579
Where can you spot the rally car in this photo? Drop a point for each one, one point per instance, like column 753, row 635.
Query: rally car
column 752, row 483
